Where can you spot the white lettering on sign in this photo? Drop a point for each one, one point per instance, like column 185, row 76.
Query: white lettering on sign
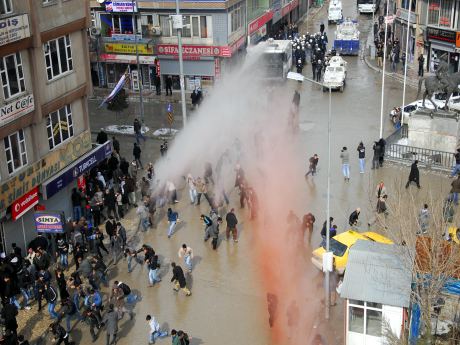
column 14, row 29
column 16, row 109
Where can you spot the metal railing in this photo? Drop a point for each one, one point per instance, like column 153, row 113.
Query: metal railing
column 431, row 159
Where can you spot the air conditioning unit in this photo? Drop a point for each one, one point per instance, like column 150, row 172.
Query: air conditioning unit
column 151, row 30
column 93, row 31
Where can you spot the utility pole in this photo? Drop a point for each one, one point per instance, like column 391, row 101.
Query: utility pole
column 383, row 72
column 178, row 24
column 139, row 72
column 405, row 65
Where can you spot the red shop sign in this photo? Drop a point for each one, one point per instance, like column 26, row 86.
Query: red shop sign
column 24, row 203
column 259, row 22
column 188, row 50
column 289, row 7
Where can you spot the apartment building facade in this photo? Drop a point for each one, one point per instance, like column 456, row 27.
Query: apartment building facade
column 214, row 38
column 434, row 30
column 44, row 124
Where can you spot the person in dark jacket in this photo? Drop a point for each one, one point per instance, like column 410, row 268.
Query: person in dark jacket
column 124, row 166
column 62, row 284
column 178, row 279
column 232, row 221
column 376, row 158
column 137, row 155
column 51, row 298
column 102, row 137
column 76, row 204
column 9, row 313
column 354, row 217
column 110, row 227
column 110, row 201
column 137, row 126
column 59, row 333
column 116, row 145
column 168, row 85
column 414, row 175
column 92, row 321
column 382, row 144
column 361, row 156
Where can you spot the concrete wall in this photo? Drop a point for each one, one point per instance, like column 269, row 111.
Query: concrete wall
column 435, row 134
column 59, row 12
column 220, row 28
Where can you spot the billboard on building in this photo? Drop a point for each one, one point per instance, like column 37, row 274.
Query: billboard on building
column 49, row 221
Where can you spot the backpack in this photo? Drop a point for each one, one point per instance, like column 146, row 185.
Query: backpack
column 126, row 289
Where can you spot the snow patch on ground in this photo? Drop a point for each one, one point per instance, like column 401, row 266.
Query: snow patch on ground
column 123, row 129
column 164, row 132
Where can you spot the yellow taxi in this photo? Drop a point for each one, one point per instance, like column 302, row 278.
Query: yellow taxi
column 454, row 233
column 341, row 244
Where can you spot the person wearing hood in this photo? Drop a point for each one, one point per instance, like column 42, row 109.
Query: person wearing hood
column 361, row 156
column 137, row 154
column 154, row 332
column 414, row 175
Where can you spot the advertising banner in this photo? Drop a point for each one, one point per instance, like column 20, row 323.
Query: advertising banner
column 120, row 6
column 14, row 28
column 128, row 48
column 49, row 221
column 16, row 109
column 24, row 203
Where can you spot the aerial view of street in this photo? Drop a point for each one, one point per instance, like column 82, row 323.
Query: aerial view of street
column 229, row 172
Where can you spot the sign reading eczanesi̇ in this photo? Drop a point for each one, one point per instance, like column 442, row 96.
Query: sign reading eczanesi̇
column 84, row 164
column 14, row 29
column 49, row 221
column 16, row 109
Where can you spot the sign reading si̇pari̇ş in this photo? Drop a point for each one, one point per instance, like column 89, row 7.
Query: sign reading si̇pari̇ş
column 49, row 221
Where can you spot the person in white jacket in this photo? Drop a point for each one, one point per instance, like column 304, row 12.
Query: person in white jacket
column 155, row 332
column 187, row 253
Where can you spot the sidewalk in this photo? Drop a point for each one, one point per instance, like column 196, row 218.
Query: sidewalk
column 412, row 68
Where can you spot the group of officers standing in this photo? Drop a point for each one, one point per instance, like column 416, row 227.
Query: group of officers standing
column 313, row 47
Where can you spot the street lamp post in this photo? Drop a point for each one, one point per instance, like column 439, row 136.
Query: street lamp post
column 383, row 73
column 300, row 77
column 405, row 65
column 181, row 65
column 139, row 72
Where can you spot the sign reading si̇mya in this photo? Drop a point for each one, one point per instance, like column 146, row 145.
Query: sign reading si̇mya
column 51, row 222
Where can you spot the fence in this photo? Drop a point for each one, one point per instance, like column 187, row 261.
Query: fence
column 431, row 159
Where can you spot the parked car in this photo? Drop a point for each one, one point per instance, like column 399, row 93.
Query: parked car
column 340, row 246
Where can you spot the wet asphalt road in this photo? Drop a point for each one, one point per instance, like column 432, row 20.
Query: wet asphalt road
column 228, row 304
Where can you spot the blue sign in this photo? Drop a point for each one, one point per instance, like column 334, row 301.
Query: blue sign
column 79, row 167
column 169, row 108
column 49, row 222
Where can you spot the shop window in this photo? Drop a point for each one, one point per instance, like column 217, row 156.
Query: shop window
column 12, row 75
column 6, row 6
column 59, row 126
column 196, row 26
column 58, row 56
column 204, row 27
column 199, row 26
column 187, row 30
column 365, row 318
column 15, row 149
column 165, row 25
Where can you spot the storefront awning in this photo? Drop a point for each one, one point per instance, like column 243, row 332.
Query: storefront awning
column 447, row 47
column 77, row 168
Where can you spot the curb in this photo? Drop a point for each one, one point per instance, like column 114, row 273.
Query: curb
column 391, row 75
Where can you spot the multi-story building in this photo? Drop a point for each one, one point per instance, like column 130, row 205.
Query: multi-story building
column 44, row 124
column 434, row 30
column 214, row 37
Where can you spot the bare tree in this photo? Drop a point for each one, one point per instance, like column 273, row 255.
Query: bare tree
column 434, row 259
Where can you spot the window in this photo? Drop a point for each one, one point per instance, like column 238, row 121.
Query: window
column 5, row 7
column 46, row 2
column 440, row 12
column 12, row 75
column 365, row 318
column 237, row 17
column 198, row 26
column 59, row 126
column 15, row 148
column 58, row 56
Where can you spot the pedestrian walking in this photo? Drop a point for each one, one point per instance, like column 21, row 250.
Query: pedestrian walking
column 376, row 157
column 207, row 226
column 455, row 190
column 382, row 144
column 215, row 233
column 169, row 83
column 380, row 190
column 421, row 63
column 51, row 298
column 111, row 322
column 138, row 130
column 192, row 189
column 116, row 145
column 232, row 221
column 173, row 218
column 59, row 334
column 186, row 253
column 414, row 175
column 117, row 297
column 313, row 162
column 154, row 332
column 117, row 248
column 151, row 259
column 101, row 137
column 143, row 214
column 361, row 156
column 308, row 221
column 380, row 208
column 137, row 155
column 91, row 320
column 345, row 163
column 424, row 220
column 178, row 279
column 353, row 220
